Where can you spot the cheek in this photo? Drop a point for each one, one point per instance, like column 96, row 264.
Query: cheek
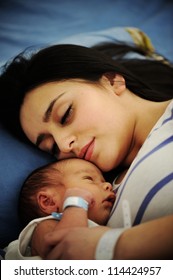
column 97, row 197
column 87, row 115
column 60, row 199
column 88, row 119
column 90, row 106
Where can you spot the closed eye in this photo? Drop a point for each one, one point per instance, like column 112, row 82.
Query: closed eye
column 67, row 115
column 55, row 150
column 88, row 178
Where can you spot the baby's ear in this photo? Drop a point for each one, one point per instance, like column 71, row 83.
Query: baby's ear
column 117, row 82
column 46, row 202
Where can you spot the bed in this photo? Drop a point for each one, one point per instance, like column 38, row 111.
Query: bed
column 40, row 23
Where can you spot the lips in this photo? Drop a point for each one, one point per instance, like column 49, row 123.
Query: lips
column 87, row 150
column 110, row 199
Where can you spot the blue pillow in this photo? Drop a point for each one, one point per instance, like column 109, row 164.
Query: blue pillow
column 88, row 39
column 17, row 161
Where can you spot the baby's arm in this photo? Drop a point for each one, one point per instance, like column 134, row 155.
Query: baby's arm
column 77, row 215
column 72, row 217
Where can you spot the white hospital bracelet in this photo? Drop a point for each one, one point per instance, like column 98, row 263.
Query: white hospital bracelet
column 75, row 201
column 106, row 245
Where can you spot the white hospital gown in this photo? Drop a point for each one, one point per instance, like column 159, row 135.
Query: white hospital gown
column 148, row 184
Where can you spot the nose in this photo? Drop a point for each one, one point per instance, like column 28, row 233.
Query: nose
column 107, row 186
column 65, row 143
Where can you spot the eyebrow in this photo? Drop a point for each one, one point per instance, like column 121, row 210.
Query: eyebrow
column 90, row 171
column 48, row 112
column 46, row 118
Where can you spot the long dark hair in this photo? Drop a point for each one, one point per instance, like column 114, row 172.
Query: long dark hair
column 152, row 80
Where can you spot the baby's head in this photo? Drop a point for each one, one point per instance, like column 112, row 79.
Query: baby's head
column 44, row 189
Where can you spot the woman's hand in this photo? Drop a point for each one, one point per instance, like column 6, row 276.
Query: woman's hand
column 73, row 244
column 150, row 240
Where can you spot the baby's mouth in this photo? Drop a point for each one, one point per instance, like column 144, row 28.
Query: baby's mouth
column 111, row 198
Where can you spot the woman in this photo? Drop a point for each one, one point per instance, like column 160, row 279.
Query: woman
column 74, row 101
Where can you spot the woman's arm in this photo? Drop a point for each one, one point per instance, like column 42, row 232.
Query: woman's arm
column 150, row 240
column 72, row 217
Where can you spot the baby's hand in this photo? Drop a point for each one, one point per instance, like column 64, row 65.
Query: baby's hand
column 85, row 194
column 75, row 216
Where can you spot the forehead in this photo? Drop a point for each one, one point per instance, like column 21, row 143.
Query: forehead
column 43, row 93
column 51, row 90
column 54, row 87
column 38, row 99
column 78, row 166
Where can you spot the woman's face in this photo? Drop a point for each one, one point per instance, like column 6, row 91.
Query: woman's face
column 78, row 119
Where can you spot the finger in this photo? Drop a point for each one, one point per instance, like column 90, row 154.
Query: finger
column 56, row 253
column 52, row 238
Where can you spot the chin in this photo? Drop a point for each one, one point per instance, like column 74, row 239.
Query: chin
column 103, row 221
column 106, row 168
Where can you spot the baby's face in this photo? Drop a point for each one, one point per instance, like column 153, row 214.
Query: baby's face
column 85, row 175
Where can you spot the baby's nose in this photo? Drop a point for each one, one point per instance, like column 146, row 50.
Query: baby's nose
column 107, row 186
